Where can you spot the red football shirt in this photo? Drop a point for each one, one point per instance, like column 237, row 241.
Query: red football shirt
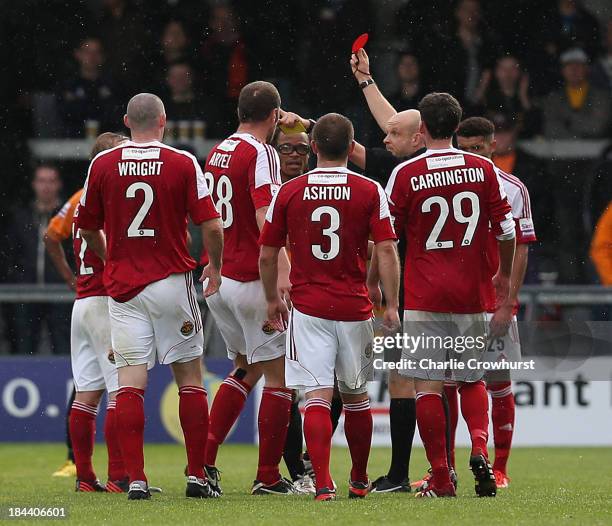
column 518, row 197
column 141, row 195
column 329, row 214
column 443, row 202
column 89, row 267
column 243, row 174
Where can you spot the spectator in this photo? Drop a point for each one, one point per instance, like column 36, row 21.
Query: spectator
column 175, row 47
column 89, row 94
column 506, row 91
column 601, row 247
column 578, row 110
column 224, row 63
column 411, row 89
column 467, row 54
column 29, row 263
column 602, row 69
column 511, row 158
column 128, row 42
column 182, row 103
column 571, row 26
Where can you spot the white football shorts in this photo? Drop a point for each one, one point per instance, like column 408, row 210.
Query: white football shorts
column 444, row 346
column 90, row 345
column 162, row 321
column 318, row 348
column 240, row 312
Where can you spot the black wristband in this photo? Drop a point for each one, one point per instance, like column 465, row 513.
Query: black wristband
column 312, row 123
column 366, row 83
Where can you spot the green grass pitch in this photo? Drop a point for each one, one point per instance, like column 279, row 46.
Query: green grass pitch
column 549, row 486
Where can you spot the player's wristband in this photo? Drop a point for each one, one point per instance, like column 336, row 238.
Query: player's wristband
column 366, row 83
column 312, row 123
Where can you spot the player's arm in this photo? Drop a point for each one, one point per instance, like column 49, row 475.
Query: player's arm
column 387, row 262
column 380, row 108
column 284, row 267
column 212, row 237
column 58, row 230
column 56, row 252
column 272, row 240
column 96, row 241
column 389, row 271
column 90, row 213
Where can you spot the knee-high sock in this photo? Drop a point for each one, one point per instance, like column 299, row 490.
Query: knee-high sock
column 294, row 444
column 502, row 416
column 358, row 431
column 273, row 421
column 432, row 428
column 83, row 431
column 450, row 391
column 402, row 418
column 318, row 435
column 475, row 411
column 116, row 467
column 193, row 413
column 130, row 423
column 226, row 407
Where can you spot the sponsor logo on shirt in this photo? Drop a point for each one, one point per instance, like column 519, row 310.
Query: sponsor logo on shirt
column 187, row 328
column 140, row 153
column 327, row 179
column 228, row 145
column 446, row 161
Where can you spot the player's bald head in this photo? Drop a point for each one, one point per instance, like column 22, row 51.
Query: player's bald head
column 144, row 111
column 333, row 136
column 409, row 121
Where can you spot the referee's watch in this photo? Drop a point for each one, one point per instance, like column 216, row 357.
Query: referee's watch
column 366, row 83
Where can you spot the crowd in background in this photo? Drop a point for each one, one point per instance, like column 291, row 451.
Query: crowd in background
column 537, row 69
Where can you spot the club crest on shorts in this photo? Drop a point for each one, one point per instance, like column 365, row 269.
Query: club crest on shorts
column 368, row 351
column 187, row 328
column 268, row 328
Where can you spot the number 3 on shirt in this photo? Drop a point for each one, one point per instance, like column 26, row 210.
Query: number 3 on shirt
column 224, row 192
column 330, row 232
column 135, row 229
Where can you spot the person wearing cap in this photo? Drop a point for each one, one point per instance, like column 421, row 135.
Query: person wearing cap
column 578, row 110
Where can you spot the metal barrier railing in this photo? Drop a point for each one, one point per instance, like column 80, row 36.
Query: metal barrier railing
column 531, row 296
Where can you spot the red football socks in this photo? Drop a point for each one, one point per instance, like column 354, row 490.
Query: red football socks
column 450, row 390
column 432, row 428
column 130, row 423
column 273, row 421
column 475, row 411
column 318, row 435
column 502, row 416
column 193, row 413
column 82, row 424
column 227, row 406
column 358, row 431
column 116, row 467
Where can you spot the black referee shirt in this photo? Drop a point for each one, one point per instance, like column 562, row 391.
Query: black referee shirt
column 379, row 165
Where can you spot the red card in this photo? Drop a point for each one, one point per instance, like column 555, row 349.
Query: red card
column 360, row 42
